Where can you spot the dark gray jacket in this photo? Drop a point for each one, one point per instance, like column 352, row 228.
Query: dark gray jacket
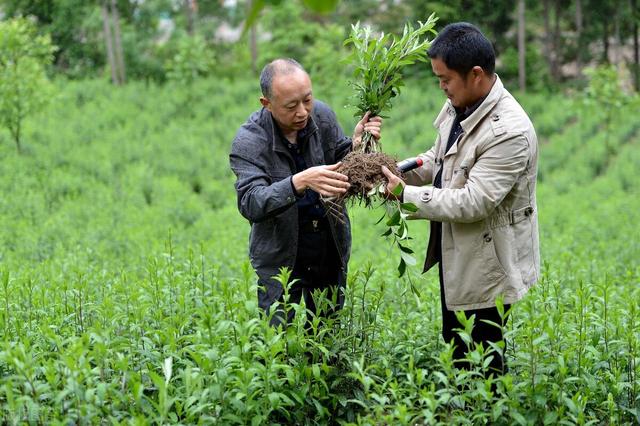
column 264, row 167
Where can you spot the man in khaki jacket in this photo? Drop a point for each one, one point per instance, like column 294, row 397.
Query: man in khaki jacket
column 477, row 186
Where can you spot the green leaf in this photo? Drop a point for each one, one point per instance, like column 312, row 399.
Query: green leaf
column 397, row 191
column 410, row 207
column 394, row 220
column 405, row 249
column 386, row 233
column 321, row 6
column 252, row 17
column 414, row 289
column 402, row 268
column 408, row 259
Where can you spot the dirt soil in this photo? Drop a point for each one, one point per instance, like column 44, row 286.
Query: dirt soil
column 365, row 172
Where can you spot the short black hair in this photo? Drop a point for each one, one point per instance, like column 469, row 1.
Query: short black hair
column 277, row 66
column 462, row 46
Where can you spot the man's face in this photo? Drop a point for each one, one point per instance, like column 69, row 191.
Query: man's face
column 291, row 101
column 460, row 90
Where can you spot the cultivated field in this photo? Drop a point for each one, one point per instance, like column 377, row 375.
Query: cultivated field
column 127, row 296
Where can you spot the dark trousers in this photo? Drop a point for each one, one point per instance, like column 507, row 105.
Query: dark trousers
column 482, row 333
column 317, row 268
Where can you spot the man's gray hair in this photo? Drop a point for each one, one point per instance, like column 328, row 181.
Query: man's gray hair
column 277, row 66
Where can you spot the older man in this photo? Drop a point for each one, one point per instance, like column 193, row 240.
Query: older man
column 285, row 157
column 478, row 188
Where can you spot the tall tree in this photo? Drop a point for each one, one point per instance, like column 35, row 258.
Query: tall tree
column 72, row 27
column 552, row 16
column 24, row 87
column 635, row 16
column 108, row 41
column 190, row 11
column 522, row 48
column 113, row 41
column 579, row 36
column 253, row 36
column 117, row 42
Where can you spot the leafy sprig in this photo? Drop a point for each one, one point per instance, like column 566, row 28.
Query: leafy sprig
column 396, row 216
column 378, row 66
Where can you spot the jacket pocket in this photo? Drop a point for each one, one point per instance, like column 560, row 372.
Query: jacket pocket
column 460, row 176
column 492, row 244
column 504, row 248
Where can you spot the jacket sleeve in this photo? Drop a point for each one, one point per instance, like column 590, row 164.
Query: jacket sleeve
column 259, row 198
column 491, row 178
column 344, row 144
column 423, row 175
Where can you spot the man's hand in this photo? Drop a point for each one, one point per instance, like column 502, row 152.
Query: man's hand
column 322, row 179
column 392, row 183
column 372, row 125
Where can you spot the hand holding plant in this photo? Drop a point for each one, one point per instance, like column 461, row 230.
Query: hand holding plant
column 379, row 62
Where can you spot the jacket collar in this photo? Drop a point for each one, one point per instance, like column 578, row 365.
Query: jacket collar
column 485, row 107
column 276, row 142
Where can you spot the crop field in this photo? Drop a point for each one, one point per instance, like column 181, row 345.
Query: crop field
column 126, row 295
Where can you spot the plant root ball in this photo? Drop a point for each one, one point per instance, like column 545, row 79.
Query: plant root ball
column 365, row 172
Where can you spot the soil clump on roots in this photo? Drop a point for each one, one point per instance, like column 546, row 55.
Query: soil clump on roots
column 365, row 172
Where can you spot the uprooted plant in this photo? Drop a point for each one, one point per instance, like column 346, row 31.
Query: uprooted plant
column 379, row 62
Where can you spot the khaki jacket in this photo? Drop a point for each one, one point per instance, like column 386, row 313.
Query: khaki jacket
column 487, row 204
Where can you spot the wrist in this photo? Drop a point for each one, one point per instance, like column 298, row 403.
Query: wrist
column 299, row 183
column 355, row 142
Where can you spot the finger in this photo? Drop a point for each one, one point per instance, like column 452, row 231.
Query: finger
column 387, row 173
column 372, row 127
column 365, row 117
column 333, row 166
column 337, row 176
column 329, row 191
column 328, row 172
column 375, row 133
column 333, row 179
column 336, row 183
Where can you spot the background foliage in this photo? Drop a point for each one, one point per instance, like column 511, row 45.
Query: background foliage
column 126, row 292
column 561, row 36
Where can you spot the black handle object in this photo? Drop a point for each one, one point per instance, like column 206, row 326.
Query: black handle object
column 409, row 164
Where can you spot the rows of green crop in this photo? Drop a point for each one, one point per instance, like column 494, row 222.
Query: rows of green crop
column 127, row 296
column 550, row 114
column 586, row 149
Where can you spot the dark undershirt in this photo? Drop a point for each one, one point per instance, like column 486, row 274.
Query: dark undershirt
column 456, row 131
column 309, row 205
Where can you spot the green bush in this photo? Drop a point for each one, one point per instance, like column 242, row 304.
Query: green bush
column 193, row 59
column 24, row 87
column 126, row 295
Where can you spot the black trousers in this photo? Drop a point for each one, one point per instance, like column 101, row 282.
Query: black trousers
column 482, row 333
column 317, row 268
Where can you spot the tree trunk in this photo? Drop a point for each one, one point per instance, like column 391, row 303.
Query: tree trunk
column 548, row 37
column 636, row 59
column 253, row 45
column 118, row 42
column 190, row 13
column 605, row 41
column 617, row 52
column 579, row 43
column 556, row 42
column 522, row 48
column 109, row 45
